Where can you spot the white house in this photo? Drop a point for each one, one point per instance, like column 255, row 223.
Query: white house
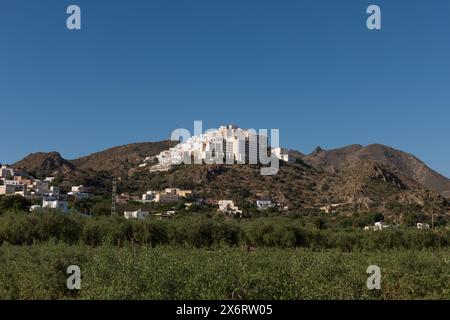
column 79, row 192
column 35, row 207
column 149, row 196
column 282, row 155
column 377, row 226
column 78, row 195
column 380, row 225
column 228, row 206
column 138, row 214
column 6, row 171
column 55, row 204
column 53, row 194
column 80, row 189
column 423, row 225
column 264, row 204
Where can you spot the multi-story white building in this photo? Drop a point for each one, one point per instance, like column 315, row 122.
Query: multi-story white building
column 228, row 144
column 54, row 193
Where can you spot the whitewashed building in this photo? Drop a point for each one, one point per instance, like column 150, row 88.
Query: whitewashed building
column 149, row 196
column 228, row 206
column 377, row 226
column 228, row 144
column 80, row 189
column 138, row 214
column 55, row 204
column 6, row 171
column 264, row 204
column 283, row 155
column 35, row 207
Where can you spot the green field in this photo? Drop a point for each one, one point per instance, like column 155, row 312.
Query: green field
column 210, row 257
column 143, row 272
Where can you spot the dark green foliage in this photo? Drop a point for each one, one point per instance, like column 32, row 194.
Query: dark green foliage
column 15, row 202
column 143, row 272
column 102, row 208
column 367, row 219
column 320, row 223
column 197, row 230
column 411, row 218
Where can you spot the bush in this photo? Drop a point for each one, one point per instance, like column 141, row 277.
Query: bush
column 200, row 231
column 144, row 272
column 14, row 202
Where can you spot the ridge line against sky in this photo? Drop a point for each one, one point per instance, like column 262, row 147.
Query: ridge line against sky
column 135, row 72
column 290, row 148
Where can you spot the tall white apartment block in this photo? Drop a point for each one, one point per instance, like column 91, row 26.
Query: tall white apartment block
column 228, row 144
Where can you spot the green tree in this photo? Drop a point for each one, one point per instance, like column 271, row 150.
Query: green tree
column 15, row 202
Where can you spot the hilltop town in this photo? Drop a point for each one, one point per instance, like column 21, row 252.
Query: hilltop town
column 228, row 144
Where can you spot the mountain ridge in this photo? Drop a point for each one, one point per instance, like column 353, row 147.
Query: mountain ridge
column 356, row 175
column 336, row 159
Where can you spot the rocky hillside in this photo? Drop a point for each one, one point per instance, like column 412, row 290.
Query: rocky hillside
column 365, row 186
column 44, row 164
column 119, row 160
column 397, row 161
column 375, row 178
column 113, row 161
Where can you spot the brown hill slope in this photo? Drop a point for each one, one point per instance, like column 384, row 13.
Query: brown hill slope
column 351, row 178
column 115, row 161
column 397, row 161
column 364, row 186
column 42, row 164
column 367, row 184
column 118, row 160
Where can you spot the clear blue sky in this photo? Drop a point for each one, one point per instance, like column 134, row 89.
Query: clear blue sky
column 139, row 69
